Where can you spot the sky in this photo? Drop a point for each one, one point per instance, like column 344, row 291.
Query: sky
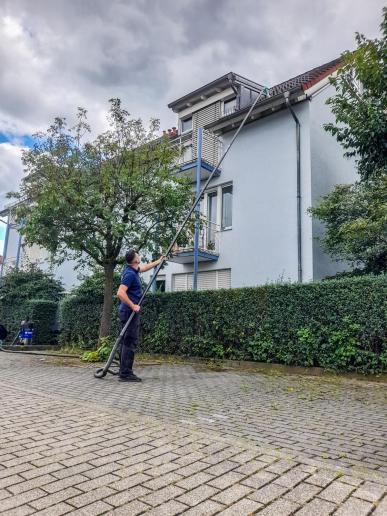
column 56, row 55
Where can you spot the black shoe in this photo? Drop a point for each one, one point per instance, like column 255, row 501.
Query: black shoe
column 130, row 378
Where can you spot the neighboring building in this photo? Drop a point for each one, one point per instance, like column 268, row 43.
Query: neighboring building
column 17, row 255
column 257, row 226
column 257, row 229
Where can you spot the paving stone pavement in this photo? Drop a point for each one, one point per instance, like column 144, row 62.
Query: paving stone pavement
column 188, row 441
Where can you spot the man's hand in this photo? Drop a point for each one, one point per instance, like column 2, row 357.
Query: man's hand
column 136, row 308
column 162, row 258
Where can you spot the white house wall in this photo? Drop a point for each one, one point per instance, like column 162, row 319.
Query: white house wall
column 36, row 255
column 329, row 167
column 261, row 247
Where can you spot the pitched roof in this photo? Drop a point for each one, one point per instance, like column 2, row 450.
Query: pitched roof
column 303, row 81
column 307, row 79
column 275, row 96
column 221, row 83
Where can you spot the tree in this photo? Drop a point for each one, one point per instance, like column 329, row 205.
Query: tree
column 90, row 200
column 360, row 104
column 356, row 215
column 18, row 286
column 356, row 220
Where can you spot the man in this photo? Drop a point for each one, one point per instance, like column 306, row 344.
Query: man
column 129, row 293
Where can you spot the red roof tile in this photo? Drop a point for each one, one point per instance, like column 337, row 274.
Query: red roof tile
column 307, row 79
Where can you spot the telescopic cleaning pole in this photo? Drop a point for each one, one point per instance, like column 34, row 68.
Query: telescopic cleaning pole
column 101, row 373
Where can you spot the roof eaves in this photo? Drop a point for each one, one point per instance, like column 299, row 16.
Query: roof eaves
column 320, row 77
column 198, row 91
column 265, row 103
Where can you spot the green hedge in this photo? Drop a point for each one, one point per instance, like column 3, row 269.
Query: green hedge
column 80, row 312
column 42, row 312
column 338, row 324
column 31, row 294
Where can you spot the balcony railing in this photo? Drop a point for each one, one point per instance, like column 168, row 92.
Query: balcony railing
column 211, row 148
column 208, row 240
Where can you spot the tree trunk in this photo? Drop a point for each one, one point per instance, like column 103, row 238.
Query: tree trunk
column 106, row 316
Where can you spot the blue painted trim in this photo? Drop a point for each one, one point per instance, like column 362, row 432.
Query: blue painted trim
column 193, row 164
column 201, row 254
column 197, row 210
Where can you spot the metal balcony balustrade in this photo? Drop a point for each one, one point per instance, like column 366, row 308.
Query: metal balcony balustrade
column 208, row 249
column 187, row 161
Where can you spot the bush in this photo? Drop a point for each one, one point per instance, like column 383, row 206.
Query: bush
column 101, row 354
column 30, row 294
column 80, row 312
column 336, row 324
column 43, row 313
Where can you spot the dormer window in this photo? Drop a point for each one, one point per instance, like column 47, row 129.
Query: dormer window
column 229, row 106
column 186, row 125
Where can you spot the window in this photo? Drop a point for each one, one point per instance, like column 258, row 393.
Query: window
column 186, row 125
column 187, row 153
column 207, row 280
column 212, row 204
column 160, row 284
column 226, row 207
column 218, row 205
column 229, row 106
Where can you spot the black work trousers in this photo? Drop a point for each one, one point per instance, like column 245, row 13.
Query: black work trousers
column 129, row 343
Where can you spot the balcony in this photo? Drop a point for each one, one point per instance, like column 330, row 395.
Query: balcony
column 188, row 160
column 208, row 249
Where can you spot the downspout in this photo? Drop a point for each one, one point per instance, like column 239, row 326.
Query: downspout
column 298, row 145
column 197, row 209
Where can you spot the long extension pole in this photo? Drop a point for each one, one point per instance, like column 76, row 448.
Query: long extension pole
column 101, row 373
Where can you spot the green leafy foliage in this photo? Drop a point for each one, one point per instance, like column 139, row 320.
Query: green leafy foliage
column 31, row 294
column 90, row 200
column 30, row 283
column 43, row 312
column 355, row 215
column 360, row 103
column 337, row 324
column 101, row 353
column 80, row 312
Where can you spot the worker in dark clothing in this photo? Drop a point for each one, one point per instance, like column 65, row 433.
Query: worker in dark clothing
column 129, row 293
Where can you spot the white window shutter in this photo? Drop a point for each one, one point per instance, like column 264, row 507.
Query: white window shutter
column 224, row 278
column 179, row 282
column 207, row 280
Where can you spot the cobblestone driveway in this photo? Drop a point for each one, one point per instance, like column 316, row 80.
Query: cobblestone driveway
column 190, row 441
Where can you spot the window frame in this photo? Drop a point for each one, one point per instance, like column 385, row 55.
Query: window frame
column 225, row 101
column 182, row 120
column 222, row 227
column 218, row 190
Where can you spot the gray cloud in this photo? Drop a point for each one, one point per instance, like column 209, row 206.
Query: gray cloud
column 59, row 54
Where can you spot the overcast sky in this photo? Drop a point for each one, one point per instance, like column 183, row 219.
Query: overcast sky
column 56, row 55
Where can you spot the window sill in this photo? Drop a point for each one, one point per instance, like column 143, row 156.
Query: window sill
column 226, row 229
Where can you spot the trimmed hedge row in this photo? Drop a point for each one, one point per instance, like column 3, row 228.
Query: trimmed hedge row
column 42, row 312
column 337, row 324
column 30, row 294
column 80, row 312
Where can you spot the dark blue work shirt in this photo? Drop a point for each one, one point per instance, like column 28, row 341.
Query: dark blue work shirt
column 131, row 278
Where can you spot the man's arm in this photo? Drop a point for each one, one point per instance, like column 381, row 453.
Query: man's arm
column 123, row 296
column 151, row 265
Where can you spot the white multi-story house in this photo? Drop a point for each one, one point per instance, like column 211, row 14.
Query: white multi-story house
column 257, row 228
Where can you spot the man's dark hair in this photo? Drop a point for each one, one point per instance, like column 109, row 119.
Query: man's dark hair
column 130, row 255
